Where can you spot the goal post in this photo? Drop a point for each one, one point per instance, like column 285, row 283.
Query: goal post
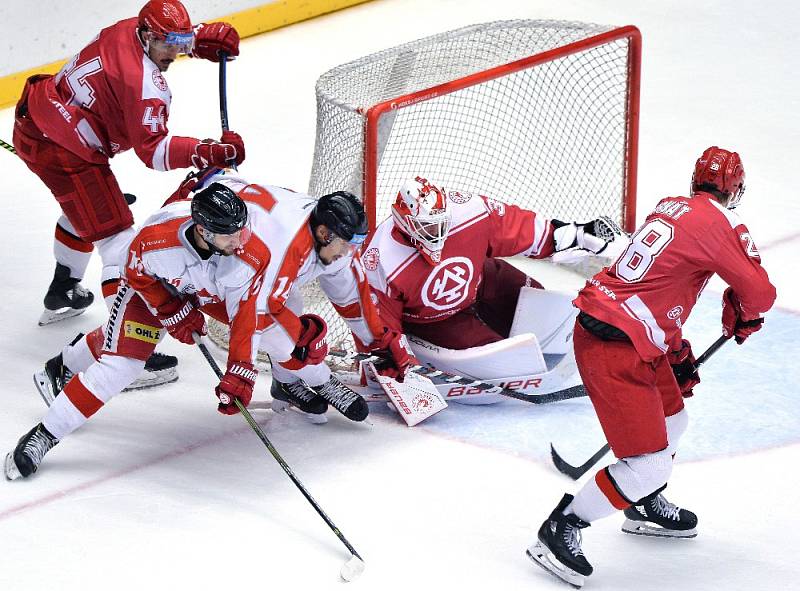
column 542, row 114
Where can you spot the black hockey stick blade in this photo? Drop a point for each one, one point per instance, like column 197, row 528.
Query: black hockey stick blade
column 576, row 472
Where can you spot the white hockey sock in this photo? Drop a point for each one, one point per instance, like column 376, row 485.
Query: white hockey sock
column 590, row 503
column 78, row 357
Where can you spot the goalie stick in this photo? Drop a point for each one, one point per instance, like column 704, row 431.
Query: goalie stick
column 442, row 377
column 576, row 472
column 355, row 565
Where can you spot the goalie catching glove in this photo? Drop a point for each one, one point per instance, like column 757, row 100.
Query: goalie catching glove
column 181, row 318
column 733, row 318
column 592, row 236
column 398, row 357
column 237, row 382
column 684, row 366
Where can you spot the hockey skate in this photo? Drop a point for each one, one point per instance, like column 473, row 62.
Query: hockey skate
column 65, row 297
column 343, row 399
column 50, row 381
column 558, row 548
column 300, row 397
column 655, row 516
column 26, row 457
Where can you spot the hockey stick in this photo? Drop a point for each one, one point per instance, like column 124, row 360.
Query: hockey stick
column 443, row 377
column 576, row 472
column 355, row 565
column 223, row 95
column 8, row 147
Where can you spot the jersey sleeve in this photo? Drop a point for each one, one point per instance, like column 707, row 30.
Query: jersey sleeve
column 140, row 276
column 738, row 263
column 350, row 294
column 516, row 231
column 247, row 316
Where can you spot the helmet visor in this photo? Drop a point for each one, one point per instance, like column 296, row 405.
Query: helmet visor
column 183, row 42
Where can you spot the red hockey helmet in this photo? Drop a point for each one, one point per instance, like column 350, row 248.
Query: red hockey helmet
column 169, row 22
column 720, row 170
column 420, row 211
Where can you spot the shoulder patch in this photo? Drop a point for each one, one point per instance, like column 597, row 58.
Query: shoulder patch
column 371, row 258
column 459, row 196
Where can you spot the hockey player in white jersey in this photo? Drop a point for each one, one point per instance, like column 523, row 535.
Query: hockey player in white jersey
column 238, row 252
column 434, row 268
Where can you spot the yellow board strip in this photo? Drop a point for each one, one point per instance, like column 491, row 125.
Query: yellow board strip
column 247, row 22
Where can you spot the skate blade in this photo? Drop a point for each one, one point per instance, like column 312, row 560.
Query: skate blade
column 10, row 468
column 53, row 316
column 541, row 555
column 640, row 528
column 280, row 406
column 151, row 379
column 44, row 387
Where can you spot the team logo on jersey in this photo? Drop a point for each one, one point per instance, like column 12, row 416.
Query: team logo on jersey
column 676, row 312
column 371, row 258
column 141, row 332
column 158, row 80
column 497, row 206
column 459, row 197
column 448, row 283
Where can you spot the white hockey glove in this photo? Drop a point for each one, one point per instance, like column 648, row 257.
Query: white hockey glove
column 592, row 237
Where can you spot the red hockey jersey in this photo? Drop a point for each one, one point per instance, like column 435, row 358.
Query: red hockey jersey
column 410, row 289
column 651, row 289
column 109, row 98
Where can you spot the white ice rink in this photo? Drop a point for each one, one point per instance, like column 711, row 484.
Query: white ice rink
column 159, row 491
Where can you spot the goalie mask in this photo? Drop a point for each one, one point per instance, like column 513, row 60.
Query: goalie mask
column 721, row 173
column 420, row 212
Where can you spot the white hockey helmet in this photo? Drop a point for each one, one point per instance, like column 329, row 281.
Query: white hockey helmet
column 420, row 211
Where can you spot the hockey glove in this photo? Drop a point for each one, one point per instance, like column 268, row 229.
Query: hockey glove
column 237, row 382
column 229, row 150
column 311, row 347
column 733, row 322
column 213, row 38
column 393, row 347
column 684, row 366
column 181, row 319
column 592, row 236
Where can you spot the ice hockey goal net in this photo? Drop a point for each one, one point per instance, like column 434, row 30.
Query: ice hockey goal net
column 542, row 114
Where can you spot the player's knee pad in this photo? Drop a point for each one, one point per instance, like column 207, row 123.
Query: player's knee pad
column 110, row 375
column 676, row 426
column 638, row 476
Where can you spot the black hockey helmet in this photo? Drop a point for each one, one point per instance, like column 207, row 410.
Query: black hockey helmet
column 343, row 214
column 219, row 210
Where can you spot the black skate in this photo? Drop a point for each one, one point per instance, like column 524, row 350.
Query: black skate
column 65, row 297
column 655, row 516
column 52, row 379
column 558, row 549
column 299, row 396
column 343, row 399
column 158, row 369
column 26, row 457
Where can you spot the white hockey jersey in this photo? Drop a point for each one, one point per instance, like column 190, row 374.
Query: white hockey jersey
column 250, row 289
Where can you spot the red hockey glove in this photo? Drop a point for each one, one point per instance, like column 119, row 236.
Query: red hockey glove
column 684, row 366
column 311, row 348
column 229, row 150
column 733, row 323
column 213, row 38
column 181, row 319
column 237, row 382
column 393, row 347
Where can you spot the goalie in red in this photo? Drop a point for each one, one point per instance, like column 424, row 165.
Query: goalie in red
column 435, row 271
column 629, row 348
column 109, row 98
column 238, row 252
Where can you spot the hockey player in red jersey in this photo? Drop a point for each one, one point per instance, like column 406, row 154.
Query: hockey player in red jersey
column 629, row 349
column 434, row 264
column 109, row 98
column 240, row 253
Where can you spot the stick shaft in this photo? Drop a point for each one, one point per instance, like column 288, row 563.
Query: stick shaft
column 265, row 440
